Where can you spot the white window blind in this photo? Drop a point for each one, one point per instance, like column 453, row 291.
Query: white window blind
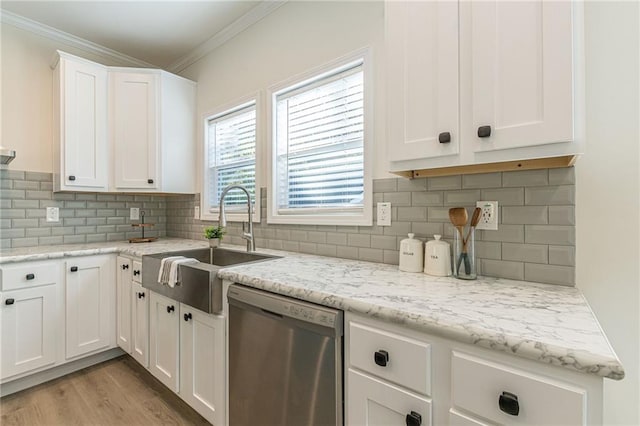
column 319, row 144
column 232, row 156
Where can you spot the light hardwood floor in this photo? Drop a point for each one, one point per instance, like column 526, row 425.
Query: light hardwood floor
column 116, row 392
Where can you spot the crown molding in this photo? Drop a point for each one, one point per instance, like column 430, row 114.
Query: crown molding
column 263, row 9
column 70, row 40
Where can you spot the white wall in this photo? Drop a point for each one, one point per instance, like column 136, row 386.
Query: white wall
column 27, row 89
column 608, row 195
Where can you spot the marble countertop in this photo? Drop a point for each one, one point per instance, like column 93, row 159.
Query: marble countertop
column 546, row 323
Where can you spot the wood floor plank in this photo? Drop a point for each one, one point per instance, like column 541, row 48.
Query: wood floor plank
column 116, row 392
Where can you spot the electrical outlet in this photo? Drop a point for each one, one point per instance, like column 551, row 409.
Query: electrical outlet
column 53, row 214
column 488, row 215
column 384, row 214
column 196, row 212
column 134, row 213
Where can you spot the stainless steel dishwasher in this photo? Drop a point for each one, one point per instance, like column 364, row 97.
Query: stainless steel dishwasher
column 285, row 361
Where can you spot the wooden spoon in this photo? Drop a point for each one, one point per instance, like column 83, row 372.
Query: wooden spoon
column 475, row 218
column 458, row 217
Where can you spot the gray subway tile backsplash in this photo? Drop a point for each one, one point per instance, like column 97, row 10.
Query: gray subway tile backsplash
column 535, row 240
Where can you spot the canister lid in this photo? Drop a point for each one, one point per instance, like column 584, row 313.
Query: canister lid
column 411, row 235
column 437, row 236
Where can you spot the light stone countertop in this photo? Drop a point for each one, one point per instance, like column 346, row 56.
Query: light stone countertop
column 547, row 323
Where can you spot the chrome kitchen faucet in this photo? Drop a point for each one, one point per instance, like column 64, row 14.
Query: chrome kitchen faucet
column 247, row 235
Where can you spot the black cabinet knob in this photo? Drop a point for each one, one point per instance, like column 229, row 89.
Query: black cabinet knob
column 125, row 267
column 170, row 309
column 149, row 180
column 381, row 357
column 9, row 302
column 413, row 419
column 30, row 276
column 72, row 177
column 136, row 272
column 484, row 131
column 141, row 295
column 74, row 269
column 508, row 403
column 187, row 317
column 444, row 137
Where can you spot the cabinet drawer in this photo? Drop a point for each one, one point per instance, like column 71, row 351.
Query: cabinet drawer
column 26, row 275
column 479, row 385
column 136, row 275
column 409, row 360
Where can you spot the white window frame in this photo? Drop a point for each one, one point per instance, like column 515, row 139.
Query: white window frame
column 229, row 108
column 327, row 216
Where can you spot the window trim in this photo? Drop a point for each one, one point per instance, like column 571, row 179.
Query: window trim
column 230, row 108
column 323, row 217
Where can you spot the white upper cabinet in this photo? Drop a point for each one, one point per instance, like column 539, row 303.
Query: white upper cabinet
column 423, row 79
column 123, row 129
column 521, row 73
column 503, row 79
column 135, row 129
column 80, row 125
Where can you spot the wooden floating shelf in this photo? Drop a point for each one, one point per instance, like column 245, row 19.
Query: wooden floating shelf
column 506, row 166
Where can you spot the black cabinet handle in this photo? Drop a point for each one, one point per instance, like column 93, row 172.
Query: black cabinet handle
column 74, row 269
column 30, row 276
column 136, row 272
column 484, row 131
column 381, row 357
column 9, row 302
column 72, row 177
column 187, row 317
column 125, row 267
column 141, row 296
column 170, row 309
column 149, row 180
column 508, row 403
column 413, row 419
column 444, row 137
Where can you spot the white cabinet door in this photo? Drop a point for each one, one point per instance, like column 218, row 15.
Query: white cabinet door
column 81, row 125
column 123, row 303
column 202, row 374
column 422, row 79
column 372, row 402
column 135, row 129
column 521, row 66
column 30, row 329
column 140, row 324
column 164, row 324
column 90, row 307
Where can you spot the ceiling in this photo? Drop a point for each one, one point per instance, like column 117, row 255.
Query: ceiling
column 157, row 32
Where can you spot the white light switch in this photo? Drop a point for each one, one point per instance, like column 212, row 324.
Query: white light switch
column 488, row 215
column 53, row 214
column 383, row 213
column 134, row 213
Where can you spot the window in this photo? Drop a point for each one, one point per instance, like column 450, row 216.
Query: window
column 230, row 160
column 319, row 149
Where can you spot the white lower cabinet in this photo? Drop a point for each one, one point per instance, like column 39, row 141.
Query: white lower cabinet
column 140, row 324
column 123, row 303
column 373, row 402
column 164, row 328
column 90, row 304
column 202, row 374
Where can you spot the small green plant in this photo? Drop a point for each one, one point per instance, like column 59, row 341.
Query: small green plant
column 211, row 232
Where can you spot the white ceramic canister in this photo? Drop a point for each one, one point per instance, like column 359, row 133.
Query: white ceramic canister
column 411, row 252
column 437, row 257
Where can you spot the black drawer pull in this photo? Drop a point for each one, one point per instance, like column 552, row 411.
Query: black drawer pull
column 9, row 302
column 30, row 276
column 125, row 267
column 136, row 272
column 484, row 131
column 141, row 295
column 444, row 137
column 508, row 403
column 170, row 309
column 413, row 419
column 72, row 177
column 187, row 317
column 381, row 357
column 149, row 180
column 74, row 269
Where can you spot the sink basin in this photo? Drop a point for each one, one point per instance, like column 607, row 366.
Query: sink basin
column 200, row 286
